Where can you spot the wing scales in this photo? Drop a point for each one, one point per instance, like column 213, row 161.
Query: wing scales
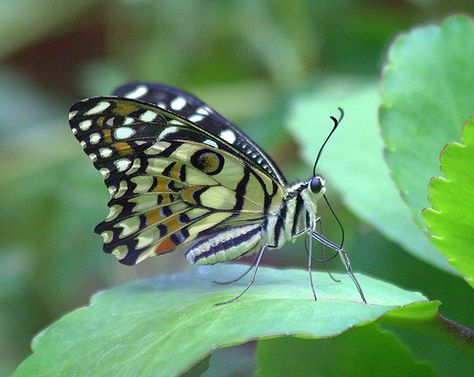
column 169, row 181
column 196, row 111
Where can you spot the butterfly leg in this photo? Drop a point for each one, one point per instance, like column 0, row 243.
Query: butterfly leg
column 344, row 258
column 323, row 258
column 240, row 276
column 252, row 279
column 310, row 272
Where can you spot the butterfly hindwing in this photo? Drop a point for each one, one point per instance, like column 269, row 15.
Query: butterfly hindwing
column 169, row 181
column 196, row 111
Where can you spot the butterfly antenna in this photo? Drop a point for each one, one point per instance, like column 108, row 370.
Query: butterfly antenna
column 336, row 123
column 337, row 219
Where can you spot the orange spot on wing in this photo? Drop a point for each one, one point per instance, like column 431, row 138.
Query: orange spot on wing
column 173, row 224
column 166, row 199
column 124, row 108
column 174, row 173
column 153, row 217
column 187, row 194
column 123, row 148
column 162, row 185
column 107, row 134
column 165, row 247
column 100, row 121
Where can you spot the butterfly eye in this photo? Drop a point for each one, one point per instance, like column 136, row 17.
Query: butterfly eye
column 316, row 185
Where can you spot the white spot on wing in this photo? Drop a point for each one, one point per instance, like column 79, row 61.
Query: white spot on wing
column 122, row 189
column 129, row 226
column 93, row 157
column 112, row 189
column 94, row 138
column 175, row 122
column 105, row 152
column 123, row 133
column 128, row 120
column 107, row 236
column 120, row 251
column 136, row 165
column 85, row 124
column 202, row 111
column 122, row 164
column 196, row 118
column 148, row 116
column 178, row 103
column 138, row 92
column 114, row 211
column 168, row 131
column 228, row 135
column 147, row 237
column 72, row 114
column 83, row 144
column 74, row 131
column 105, row 172
column 101, row 106
column 212, row 143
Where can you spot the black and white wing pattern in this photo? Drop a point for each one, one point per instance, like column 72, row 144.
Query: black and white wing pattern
column 193, row 109
column 173, row 182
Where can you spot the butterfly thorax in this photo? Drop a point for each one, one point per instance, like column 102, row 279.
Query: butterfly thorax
column 297, row 213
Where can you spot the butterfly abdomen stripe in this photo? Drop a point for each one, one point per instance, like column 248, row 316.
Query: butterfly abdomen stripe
column 280, row 224
column 225, row 245
column 296, row 216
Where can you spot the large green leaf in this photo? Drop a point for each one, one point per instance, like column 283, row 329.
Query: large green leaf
column 362, row 351
column 427, row 94
column 451, row 220
column 161, row 327
column 353, row 161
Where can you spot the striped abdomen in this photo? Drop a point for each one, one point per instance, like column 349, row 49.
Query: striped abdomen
column 286, row 219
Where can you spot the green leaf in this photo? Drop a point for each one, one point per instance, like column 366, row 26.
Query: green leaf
column 353, row 161
column 446, row 345
column 362, row 351
column 161, row 327
column 451, row 220
column 427, row 94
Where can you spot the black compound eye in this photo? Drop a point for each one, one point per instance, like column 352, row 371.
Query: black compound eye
column 316, row 185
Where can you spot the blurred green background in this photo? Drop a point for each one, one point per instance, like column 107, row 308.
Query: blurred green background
column 247, row 59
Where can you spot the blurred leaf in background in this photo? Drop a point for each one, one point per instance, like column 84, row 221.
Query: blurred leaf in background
column 248, row 59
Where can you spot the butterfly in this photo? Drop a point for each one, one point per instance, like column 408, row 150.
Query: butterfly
column 182, row 177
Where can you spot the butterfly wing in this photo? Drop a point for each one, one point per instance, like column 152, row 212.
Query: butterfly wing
column 193, row 109
column 171, row 182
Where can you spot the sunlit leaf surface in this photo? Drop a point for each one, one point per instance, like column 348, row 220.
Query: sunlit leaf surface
column 168, row 324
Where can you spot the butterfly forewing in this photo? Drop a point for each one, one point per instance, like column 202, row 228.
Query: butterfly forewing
column 169, row 181
column 196, row 111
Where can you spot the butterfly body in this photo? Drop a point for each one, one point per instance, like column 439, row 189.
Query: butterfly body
column 182, row 177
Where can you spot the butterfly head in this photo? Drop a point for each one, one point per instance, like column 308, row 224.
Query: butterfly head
column 317, row 185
